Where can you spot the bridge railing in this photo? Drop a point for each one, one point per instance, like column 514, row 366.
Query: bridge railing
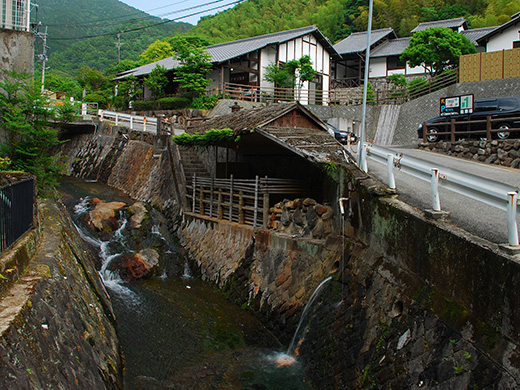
column 133, row 122
column 493, row 193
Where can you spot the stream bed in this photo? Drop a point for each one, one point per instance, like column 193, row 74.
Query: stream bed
column 177, row 332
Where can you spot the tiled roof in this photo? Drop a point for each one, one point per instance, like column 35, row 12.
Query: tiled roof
column 392, row 47
column 515, row 19
column 245, row 120
column 226, row 51
column 476, row 33
column 357, row 42
column 229, row 50
column 449, row 23
column 168, row 63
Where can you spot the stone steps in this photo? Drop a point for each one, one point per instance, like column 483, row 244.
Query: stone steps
column 192, row 163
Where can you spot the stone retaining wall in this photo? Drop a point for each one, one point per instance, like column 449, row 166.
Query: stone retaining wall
column 57, row 328
column 496, row 152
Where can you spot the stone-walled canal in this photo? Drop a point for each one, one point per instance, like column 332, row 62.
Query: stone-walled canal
column 413, row 303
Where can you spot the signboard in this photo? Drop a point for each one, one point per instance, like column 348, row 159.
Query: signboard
column 456, row 105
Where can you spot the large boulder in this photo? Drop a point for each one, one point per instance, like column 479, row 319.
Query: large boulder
column 136, row 266
column 103, row 216
column 139, row 212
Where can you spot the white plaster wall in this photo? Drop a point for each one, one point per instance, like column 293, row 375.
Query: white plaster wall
column 377, row 67
column 504, row 40
column 267, row 56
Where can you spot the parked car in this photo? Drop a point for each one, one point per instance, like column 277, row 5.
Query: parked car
column 506, row 109
column 342, row 135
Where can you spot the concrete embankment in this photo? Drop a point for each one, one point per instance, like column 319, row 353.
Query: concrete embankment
column 413, row 303
column 56, row 321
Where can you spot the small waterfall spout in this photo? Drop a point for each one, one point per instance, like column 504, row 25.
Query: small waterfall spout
column 309, row 304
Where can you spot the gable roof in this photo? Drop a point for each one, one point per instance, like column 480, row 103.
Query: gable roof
column 393, row 47
column 515, row 19
column 314, row 144
column 226, row 51
column 245, row 120
column 357, row 42
column 475, row 34
column 448, row 23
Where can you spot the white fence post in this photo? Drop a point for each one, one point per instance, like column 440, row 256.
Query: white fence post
column 512, row 228
column 390, row 169
column 436, row 203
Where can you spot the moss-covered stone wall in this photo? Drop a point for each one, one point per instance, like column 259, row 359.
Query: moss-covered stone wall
column 57, row 328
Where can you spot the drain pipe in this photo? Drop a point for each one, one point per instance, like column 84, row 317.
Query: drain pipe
column 341, row 206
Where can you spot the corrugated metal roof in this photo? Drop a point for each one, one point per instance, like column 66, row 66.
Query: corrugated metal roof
column 449, row 23
column 392, row 47
column 357, row 42
column 475, row 34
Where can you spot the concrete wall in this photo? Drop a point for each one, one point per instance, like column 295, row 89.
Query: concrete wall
column 16, row 51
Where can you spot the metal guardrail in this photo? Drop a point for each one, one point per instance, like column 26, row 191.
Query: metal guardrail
column 16, row 211
column 493, row 193
column 133, row 122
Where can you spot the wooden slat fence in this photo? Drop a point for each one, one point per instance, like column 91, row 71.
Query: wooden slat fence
column 244, row 201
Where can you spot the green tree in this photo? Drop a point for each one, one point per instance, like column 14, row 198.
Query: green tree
column 24, row 116
column 91, row 79
column 157, row 51
column 61, row 83
column 157, row 80
column 195, row 64
column 293, row 73
column 437, row 49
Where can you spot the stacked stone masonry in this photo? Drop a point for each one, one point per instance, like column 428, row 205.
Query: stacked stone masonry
column 506, row 153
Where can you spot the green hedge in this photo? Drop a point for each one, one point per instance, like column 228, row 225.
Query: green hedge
column 167, row 103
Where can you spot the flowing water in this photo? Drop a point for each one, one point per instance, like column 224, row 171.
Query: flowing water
column 177, row 332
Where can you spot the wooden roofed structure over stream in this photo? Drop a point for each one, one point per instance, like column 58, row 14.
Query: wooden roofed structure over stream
column 279, row 152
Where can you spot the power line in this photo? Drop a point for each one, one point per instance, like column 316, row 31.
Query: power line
column 152, row 25
column 130, row 16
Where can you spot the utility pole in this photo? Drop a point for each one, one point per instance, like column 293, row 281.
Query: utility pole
column 43, row 57
column 118, row 44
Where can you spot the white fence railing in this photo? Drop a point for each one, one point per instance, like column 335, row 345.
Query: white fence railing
column 493, row 193
column 133, row 122
column 15, row 14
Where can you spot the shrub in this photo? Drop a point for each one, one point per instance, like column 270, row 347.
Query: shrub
column 172, row 103
column 144, row 105
column 205, row 102
column 212, row 137
column 96, row 97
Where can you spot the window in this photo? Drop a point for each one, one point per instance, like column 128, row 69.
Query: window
column 516, row 44
column 393, row 62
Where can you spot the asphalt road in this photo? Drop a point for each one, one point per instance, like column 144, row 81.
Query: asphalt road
column 471, row 215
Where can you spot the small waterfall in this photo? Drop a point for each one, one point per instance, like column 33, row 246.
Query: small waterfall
column 309, row 304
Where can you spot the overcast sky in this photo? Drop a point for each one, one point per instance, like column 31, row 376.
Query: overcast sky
column 174, row 9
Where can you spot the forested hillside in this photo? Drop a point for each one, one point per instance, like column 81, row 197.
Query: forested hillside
column 338, row 18
column 70, row 22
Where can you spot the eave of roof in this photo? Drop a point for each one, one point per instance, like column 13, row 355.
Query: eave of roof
column 392, row 47
column 514, row 20
column 226, row 51
column 475, row 34
column 357, row 42
column 449, row 23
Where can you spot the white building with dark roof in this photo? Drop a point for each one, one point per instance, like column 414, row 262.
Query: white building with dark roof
column 242, row 63
column 504, row 37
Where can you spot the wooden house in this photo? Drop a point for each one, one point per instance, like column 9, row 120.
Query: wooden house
column 241, row 64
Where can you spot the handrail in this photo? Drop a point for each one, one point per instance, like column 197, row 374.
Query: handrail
column 493, row 193
column 134, row 122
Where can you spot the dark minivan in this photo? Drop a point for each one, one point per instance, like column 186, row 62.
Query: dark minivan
column 504, row 112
